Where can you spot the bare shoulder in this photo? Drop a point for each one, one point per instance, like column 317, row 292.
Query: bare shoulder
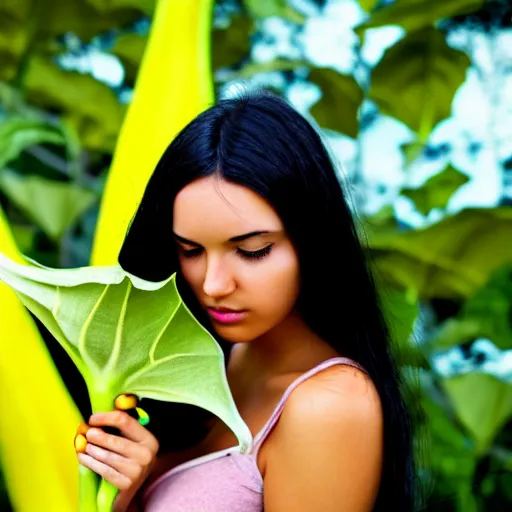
column 332, row 393
column 327, row 449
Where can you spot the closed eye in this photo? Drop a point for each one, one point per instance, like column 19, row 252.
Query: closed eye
column 249, row 255
column 191, row 253
column 255, row 255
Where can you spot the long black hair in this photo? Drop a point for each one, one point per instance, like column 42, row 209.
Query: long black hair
column 260, row 142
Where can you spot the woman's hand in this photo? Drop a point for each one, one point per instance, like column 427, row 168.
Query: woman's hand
column 125, row 462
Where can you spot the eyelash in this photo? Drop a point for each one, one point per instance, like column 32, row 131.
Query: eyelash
column 249, row 255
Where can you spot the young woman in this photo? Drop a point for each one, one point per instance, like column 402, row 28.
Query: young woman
column 245, row 206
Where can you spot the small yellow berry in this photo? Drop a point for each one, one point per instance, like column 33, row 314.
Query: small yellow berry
column 126, row 401
column 80, row 443
column 83, row 428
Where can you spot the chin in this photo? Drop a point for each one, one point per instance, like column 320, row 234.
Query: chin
column 234, row 335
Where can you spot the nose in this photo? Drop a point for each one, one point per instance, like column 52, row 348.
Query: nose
column 218, row 280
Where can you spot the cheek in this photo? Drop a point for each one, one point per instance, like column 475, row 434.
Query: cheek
column 191, row 272
column 278, row 286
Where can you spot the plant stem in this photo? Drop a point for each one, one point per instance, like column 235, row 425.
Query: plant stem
column 106, row 496
column 88, row 487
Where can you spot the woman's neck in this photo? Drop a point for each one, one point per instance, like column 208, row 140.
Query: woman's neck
column 291, row 347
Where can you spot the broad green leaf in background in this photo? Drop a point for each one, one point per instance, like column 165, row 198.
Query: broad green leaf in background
column 451, row 259
column 37, row 414
column 18, row 133
column 484, row 315
column 129, row 48
column 341, row 98
column 231, row 44
column 267, row 8
column 52, row 205
column 417, row 14
column 437, row 191
column 162, row 105
column 90, row 107
column 127, row 335
column 416, row 79
column 483, row 404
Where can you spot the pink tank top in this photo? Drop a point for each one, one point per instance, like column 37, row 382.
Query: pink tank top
column 223, row 481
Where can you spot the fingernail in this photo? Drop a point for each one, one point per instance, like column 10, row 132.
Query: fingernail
column 92, row 432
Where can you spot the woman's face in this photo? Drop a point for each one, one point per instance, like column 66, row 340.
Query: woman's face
column 235, row 254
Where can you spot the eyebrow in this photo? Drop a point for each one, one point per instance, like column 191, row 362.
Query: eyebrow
column 238, row 238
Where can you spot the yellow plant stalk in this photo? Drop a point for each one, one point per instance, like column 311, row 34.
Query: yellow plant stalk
column 174, row 84
column 37, row 416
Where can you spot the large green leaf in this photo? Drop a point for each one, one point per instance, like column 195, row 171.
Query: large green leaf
column 127, row 335
column 417, row 14
column 483, row 404
column 18, row 133
column 484, row 315
column 451, row 259
column 437, row 191
column 51, row 205
column 266, row 8
column 417, row 78
column 341, row 98
column 90, row 107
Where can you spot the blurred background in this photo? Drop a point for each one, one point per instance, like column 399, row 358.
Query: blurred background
column 413, row 97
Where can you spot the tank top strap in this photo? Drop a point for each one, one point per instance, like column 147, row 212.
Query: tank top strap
column 274, row 417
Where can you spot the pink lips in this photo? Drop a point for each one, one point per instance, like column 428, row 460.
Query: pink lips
column 226, row 316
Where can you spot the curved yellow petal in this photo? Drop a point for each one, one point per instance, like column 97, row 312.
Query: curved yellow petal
column 174, row 84
column 37, row 416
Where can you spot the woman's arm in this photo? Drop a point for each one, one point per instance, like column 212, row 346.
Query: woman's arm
column 326, row 451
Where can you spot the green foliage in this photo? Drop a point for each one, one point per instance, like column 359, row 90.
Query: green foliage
column 451, row 259
column 18, row 133
column 417, row 14
column 482, row 403
column 266, row 8
column 486, row 315
column 129, row 48
column 427, row 72
column 58, row 129
column 340, row 102
column 51, row 205
column 437, row 191
column 28, row 25
column 230, row 45
column 90, row 107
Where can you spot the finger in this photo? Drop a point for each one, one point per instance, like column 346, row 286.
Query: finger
column 120, row 445
column 112, row 476
column 128, row 426
column 121, row 464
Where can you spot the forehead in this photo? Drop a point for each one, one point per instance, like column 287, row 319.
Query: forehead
column 214, row 208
